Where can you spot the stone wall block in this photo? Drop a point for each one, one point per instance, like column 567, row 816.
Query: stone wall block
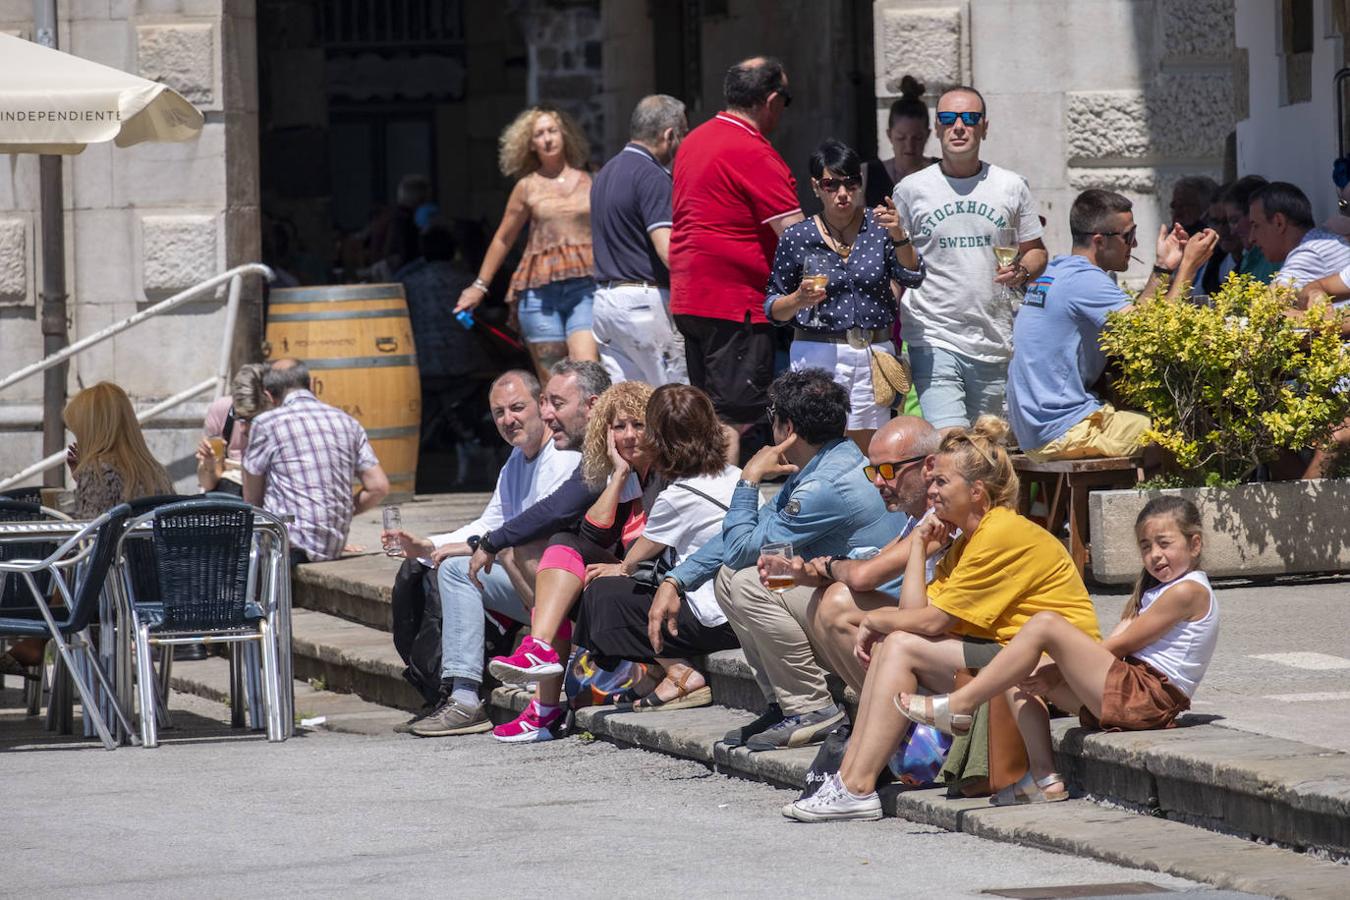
column 177, row 251
column 16, row 260
column 1142, row 180
column 923, row 42
column 1195, row 30
column 1183, row 116
column 183, row 56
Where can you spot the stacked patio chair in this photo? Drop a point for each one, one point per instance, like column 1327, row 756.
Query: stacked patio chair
column 204, row 590
column 15, row 599
column 86, row 558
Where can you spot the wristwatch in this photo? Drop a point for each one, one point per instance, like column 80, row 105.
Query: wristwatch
column 486, row 545
column 753, row 485
column 905, row 242
column 1161, row 270
column 473, row 542
column 829, row 566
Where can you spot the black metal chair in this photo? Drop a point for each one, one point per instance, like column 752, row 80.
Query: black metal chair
column 89, row 554
column 205, row 591
column 23, row 494
column 15, row 600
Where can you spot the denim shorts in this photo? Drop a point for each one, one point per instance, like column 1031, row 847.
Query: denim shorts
column 955, row 390
column 548, row 314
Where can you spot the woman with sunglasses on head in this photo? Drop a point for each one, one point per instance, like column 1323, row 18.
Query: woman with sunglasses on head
column 831, row 280
column 227, row 420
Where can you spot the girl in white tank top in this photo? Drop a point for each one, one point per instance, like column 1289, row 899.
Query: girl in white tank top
column 1141, row 677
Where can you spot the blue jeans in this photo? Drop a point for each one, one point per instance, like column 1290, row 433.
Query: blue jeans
column 548, row 314
column 462, row 611
column 955, row 390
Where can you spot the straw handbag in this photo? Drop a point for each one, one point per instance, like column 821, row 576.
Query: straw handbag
column 890, row 377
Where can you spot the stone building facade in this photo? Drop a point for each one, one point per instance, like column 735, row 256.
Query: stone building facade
column 141, row 223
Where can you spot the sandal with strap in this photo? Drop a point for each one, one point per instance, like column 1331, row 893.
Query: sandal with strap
column 1030, row 790
column 934, row 712
column 683, row 699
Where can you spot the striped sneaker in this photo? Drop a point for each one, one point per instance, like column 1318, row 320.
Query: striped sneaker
column 531, row 661
column 529, row 726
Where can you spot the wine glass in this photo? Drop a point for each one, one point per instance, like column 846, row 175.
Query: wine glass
column 1005, row 252
column 816, row 271
column 393, row 524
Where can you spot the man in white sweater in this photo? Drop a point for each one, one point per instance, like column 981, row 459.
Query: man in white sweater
column 535, row 468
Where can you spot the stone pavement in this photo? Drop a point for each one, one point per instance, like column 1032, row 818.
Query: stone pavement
column 215, row 813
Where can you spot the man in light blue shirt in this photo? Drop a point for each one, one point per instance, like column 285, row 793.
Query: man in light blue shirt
column 827, row 507
column 1057, row 333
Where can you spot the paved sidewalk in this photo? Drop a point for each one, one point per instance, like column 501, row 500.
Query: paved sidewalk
column 208, row 814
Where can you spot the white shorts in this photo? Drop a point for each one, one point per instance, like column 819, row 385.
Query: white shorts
column 852, row 370
column 636, row 338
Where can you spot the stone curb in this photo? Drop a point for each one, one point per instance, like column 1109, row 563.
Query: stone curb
column 1079, row 827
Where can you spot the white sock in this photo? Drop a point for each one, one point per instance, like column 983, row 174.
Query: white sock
column 543, row 710
column 545, row 644
column 465, row 693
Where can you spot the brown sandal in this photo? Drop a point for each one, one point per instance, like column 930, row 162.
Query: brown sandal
column 683, row 699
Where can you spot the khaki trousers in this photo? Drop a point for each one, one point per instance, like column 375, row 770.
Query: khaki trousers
column 772, row 631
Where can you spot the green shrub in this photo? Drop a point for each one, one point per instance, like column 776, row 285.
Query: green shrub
column 1230, row 385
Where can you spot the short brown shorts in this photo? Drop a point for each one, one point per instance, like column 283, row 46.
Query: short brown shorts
column 1137, row 698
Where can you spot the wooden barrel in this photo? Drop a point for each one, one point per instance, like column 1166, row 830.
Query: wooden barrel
column 357, row 342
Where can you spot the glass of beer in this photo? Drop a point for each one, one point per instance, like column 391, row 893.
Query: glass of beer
column 217, row 449
column 393, row 524
column 777, row 559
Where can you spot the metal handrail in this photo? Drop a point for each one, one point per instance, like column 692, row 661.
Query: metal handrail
column 234, row 277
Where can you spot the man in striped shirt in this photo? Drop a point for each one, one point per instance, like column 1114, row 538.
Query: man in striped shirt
column 302, row 458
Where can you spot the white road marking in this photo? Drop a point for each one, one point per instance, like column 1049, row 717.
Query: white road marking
column 1306, row 660
column 1312, row 697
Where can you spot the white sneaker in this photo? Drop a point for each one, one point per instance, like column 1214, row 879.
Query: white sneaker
column 832, row 802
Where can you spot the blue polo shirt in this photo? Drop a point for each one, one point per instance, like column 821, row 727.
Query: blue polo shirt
column 1057, row 351
column 630, row 197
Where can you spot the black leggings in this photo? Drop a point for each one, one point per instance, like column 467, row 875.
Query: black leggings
column 612, row 624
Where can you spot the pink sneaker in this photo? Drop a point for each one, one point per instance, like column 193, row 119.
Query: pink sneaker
column 529, row 726
column 531, row 661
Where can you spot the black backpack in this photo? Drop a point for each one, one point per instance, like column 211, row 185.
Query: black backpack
column 417, row 629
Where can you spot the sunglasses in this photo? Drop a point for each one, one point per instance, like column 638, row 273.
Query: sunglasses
column 1127, row 236
column 786, row 95
column 889, row 470
column 969, row 118
column 830, row 185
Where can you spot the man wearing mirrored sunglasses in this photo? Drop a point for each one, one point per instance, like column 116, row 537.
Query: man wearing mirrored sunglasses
column 958, row 323
column 1051, row 407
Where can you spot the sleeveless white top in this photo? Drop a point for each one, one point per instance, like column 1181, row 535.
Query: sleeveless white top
column 1183, row 653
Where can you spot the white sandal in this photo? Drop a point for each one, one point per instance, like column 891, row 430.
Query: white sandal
column 935, row 712
column 1029, row 790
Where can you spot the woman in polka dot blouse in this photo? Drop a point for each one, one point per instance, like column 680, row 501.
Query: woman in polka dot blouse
column 860, row 252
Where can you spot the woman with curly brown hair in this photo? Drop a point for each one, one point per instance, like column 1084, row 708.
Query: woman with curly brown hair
column 688, row 447
column 552, row 288
column 613, row 454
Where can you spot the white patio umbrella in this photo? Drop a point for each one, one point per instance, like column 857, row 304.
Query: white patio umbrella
column 52, row 102
column 55, row 103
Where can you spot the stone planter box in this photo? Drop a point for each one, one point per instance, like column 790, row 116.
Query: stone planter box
column 1275, row 528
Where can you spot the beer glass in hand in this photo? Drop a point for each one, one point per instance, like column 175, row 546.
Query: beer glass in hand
column 776, row 558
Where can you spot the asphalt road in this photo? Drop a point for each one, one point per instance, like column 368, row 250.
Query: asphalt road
column 343, row 815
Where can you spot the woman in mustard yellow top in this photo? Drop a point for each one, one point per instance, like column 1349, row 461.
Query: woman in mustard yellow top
column 1001, row 571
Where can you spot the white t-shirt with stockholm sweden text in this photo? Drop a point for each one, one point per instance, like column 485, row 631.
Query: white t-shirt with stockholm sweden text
column 953, row 223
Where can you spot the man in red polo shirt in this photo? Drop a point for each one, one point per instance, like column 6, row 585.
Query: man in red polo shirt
column 733, row 196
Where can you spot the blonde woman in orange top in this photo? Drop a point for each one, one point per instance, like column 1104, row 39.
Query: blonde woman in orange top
column 553, row 287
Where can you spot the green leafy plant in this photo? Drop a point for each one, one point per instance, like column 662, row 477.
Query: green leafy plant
column 1230, row 385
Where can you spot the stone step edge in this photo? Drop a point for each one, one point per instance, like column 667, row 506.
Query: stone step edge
column 1172, row 847
column 1193, row 774
column 345, row 713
